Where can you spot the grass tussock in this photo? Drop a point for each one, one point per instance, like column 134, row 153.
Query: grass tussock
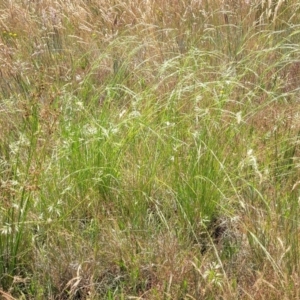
column 149, row 150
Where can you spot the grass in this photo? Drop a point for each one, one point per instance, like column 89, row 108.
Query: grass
column 149, row 150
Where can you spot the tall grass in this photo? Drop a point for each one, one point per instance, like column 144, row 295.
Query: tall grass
column 149, row 150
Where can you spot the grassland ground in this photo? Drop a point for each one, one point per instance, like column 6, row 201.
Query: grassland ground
column 149, row 149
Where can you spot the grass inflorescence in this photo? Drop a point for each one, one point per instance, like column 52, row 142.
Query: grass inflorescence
column 149, row 150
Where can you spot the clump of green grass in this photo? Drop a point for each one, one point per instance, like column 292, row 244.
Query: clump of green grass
column 149, row 150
